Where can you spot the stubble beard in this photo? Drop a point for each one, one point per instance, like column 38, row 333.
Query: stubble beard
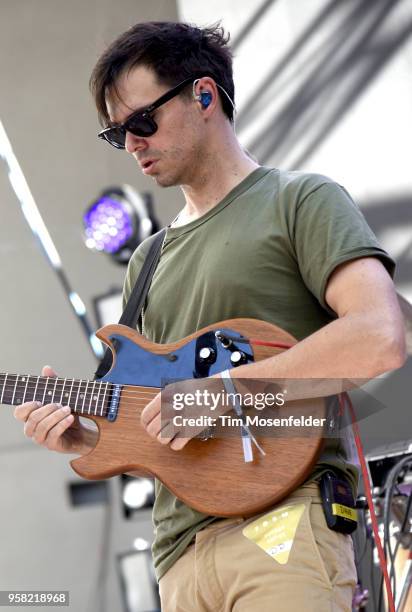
column 183, row 168
column 175, row 175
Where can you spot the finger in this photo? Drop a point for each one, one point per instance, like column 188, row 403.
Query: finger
column 150, row 411
column 48, row 371
column 159, row 431
column 48, row 423
column 53, row 438
column 37, row 415
column 153, row 428
column 22, row 411
column 179, row 443
column 167, row 432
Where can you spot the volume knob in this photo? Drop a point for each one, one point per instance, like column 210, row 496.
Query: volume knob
column 207, row 355
column 237, row 358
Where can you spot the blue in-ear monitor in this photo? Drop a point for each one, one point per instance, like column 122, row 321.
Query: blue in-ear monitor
column 205, row 98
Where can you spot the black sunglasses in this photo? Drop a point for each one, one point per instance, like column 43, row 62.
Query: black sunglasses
column 141, row 123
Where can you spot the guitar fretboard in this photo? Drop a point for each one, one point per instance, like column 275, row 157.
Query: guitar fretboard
column 88, row 397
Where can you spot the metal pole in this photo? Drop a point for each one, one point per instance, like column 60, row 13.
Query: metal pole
column 41, row 234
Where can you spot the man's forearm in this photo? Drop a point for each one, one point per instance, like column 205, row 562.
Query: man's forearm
column 354, row 346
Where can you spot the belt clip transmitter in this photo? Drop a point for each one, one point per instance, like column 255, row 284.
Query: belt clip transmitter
column 338, row 503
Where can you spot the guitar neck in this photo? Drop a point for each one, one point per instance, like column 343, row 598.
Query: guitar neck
column 88, row 397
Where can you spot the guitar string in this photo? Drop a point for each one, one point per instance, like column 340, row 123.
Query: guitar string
column 74, row 388
column 130, row 391
column 128, row 405
column 129, row 397
column 127, row 390
column 125, row 406
column 74, row 385
column 83, row 387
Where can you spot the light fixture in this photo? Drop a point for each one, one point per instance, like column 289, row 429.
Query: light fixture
column 137, row 494
column 118, row 221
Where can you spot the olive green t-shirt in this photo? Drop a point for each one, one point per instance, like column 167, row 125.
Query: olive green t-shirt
column 265, row 251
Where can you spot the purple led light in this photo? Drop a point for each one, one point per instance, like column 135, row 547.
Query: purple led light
column 100, row 221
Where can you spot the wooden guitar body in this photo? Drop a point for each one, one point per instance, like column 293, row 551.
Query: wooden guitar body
column 208, row 475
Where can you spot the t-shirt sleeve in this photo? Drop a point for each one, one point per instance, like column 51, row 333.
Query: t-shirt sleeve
column 331, row 230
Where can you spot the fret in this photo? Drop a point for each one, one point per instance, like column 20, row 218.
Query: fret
column 4, row 388
column 92, row 397
column 14, row 391
column 97, row 400
column 104, row 397
column 82, row 395
column 25, row 389
column 41, row 383
column 63, row 394
column 70, row 393
column 46, row 380
column 35, row 388
column 47, row 392
column 54, row 391
column 17, row 398
column 85, row 393
column 77, row 396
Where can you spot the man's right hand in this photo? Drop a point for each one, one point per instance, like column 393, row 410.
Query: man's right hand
column 54, row 427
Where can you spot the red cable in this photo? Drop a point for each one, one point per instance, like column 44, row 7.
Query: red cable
column 275, row 344
column 344, row 397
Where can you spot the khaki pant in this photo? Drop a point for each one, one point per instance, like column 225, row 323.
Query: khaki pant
column 223, row 570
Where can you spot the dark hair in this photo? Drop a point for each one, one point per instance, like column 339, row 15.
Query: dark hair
column 174, row 51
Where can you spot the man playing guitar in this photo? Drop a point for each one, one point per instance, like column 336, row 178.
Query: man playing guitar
column 290, row 248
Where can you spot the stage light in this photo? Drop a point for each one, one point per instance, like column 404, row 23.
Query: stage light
column 118, row 221
column 141, row 544
column 108, row 225
column 137, row 493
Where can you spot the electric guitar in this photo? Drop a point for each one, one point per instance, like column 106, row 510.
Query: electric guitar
column 210, row 475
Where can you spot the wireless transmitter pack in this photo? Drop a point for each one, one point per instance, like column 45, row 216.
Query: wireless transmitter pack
column 338, row 503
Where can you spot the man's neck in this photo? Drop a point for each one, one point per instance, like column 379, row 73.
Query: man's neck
column 221, row 172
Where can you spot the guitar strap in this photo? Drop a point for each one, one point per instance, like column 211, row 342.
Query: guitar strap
column 133, row 309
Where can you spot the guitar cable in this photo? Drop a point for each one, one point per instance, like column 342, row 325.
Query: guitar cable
column 345, row 399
